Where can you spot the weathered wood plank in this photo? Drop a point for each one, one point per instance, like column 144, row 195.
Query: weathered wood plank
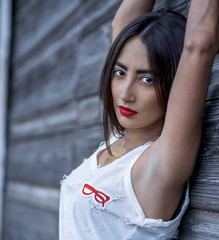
column 45, row 85
column 74, row 27
column 70, row 116
column 54, row 124
column 51, row 121
column 42, row 19
column 92, row 54
column 68, row 74
column 46, row 199
column 27, row 223
column 205, row 192
column 213, row 89
column 205, row 195
column 90, row 111
column 43, row 161
column 5, row 47
column 199, row 225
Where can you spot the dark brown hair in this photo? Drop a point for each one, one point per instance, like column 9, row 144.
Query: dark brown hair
column 163, row 35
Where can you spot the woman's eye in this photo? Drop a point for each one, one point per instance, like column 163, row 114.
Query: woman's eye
column 118, row 73
column 146, row 80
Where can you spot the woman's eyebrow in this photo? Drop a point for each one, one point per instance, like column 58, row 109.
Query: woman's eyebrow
column 141, row 71
column 138, row 71
column 121, row 65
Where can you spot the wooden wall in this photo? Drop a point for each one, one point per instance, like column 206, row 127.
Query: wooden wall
column 5, row 37
column 54, row 120
column 58, row 51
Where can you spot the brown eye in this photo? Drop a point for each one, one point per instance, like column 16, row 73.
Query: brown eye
column 118, row 73
column 147, row 80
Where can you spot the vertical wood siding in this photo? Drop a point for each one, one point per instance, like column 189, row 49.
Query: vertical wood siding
column 58, row 51
column 5, row 37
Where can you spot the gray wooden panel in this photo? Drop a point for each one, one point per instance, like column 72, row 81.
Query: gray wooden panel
column 70, row 73
column 91, row 57
column 65, row 118
column 213, row 91
column 54, row 114
column 199, row 225
column 49, row 74
column 205, row 192
column 43, row 17
column 46, row 84
column 54, row 123
column 31, row 212
column 23, row 222
column 44, row 198
column 83, row 20
column 43, row 161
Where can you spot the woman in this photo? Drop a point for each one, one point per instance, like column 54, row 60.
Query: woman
column 135, row 186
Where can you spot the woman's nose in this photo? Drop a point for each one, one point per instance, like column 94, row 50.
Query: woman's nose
column 127, row 92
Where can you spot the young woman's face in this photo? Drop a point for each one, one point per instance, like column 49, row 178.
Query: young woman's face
column 134, row 97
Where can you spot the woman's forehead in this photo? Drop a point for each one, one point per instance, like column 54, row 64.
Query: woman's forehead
column 134, row 53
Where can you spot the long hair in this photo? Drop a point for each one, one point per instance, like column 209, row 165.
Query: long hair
column 163, row 35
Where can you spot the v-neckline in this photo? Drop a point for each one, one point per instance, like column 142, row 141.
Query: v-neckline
column 102, row 147
column 112, row 140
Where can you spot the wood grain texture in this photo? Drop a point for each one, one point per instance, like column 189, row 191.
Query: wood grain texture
column 71, row 73
column 58, row 52
column 43, row 18
column 205, row 192
column 55, row 117
column 199, row 225
column 66, row 117
column 44, row 161
column 23, row 222
column 43, row 198
column 81, row 21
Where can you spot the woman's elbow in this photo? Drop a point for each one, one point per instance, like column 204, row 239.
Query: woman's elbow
column 201, row 42
column 116, row 29
column 113, row 25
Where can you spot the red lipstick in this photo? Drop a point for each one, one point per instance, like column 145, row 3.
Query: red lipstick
column 126, row 111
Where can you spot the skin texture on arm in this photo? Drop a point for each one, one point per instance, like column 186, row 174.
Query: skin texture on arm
column 127, row 12
column 164, row 169
column 179, row 141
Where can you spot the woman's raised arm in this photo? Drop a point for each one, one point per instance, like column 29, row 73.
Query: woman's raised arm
column 127, row 12
column 180, row 138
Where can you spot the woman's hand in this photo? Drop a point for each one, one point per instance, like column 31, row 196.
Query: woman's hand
column 127, row 12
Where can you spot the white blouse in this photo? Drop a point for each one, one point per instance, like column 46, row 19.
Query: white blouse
column 99, row 203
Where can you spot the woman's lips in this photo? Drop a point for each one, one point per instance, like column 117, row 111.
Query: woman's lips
column 126, row 111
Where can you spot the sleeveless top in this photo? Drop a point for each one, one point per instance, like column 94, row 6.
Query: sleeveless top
column 99, row 203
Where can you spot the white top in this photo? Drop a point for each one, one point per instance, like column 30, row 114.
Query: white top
column 99, row 203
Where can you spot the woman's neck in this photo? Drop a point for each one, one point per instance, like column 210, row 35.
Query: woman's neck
column 136, row 137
